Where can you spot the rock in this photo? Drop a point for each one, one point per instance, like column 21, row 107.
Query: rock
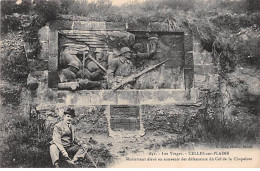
column 32, row 83
column 120, row 39
column 92, row 141
column 110, row 144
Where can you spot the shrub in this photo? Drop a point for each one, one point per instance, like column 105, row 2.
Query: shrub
column 9, row 7
column 65, row 4
column 48, row 10
column 14, row 66
column 10, row 95
column 242, row 129
column 26, row 146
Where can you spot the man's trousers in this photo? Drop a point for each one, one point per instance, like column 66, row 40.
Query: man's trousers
column 75, row 150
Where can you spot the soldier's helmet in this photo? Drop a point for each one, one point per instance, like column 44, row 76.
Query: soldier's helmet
column 124, row 50
column 74, row 64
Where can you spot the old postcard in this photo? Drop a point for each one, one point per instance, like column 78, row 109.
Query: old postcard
column 130, row 84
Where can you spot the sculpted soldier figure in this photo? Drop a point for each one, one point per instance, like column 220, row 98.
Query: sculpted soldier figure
column 120, row 67
column 140, row 53
column 69, row 79
column 96, row 73
column 64, row 142
column 69, row 74
column 152, row 46
column 66, row 56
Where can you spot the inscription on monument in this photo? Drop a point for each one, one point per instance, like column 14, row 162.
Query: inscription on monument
column 125, row 117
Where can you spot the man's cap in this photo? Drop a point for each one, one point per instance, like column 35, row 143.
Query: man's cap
column 70, row 112
column 124, row 50
column 74, row 64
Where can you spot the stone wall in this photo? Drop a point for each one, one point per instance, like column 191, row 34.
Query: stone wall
column 205, row 71
column 181, row 62
column 167, row 110
column 198, row 62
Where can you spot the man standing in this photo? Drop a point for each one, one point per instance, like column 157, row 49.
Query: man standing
column 120, row 67
column 64, row 141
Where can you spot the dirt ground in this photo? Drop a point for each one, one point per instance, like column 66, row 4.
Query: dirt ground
column 109, row 151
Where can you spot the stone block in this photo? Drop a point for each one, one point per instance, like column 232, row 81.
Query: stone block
column 200, row 80
column 198, row 58
column 199, row 69
column 127, row 97
column 115, row 26
column 188, row 77
column 53, row 63
column 213, row 80
column 87, row 98
column 188, row 42
column 44, row 51
column 53, row 43
column 205, row 69
column 46, row 107
column 158, row 26
column 178, row 95
column 60, row 24
column 207, row 58
column 139, row 26
column 109, row 97
column 146, row 96
column 90, row 25
column 197, row 47
column 53, row 78
column 163, row 95
column 189, row 63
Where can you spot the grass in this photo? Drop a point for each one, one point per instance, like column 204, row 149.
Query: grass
column 23, row 145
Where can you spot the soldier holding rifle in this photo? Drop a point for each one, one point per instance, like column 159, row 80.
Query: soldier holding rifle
column 120, row 68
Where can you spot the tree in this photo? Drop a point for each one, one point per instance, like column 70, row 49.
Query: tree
column 49, row 10
column 65, row 4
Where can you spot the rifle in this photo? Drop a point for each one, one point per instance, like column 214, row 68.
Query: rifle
column 98, row 64
column 132, row 77
column 94, row 60
column 84, row 59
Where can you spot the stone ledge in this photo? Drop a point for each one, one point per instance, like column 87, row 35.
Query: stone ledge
column 126, row 97
column 205, row 69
